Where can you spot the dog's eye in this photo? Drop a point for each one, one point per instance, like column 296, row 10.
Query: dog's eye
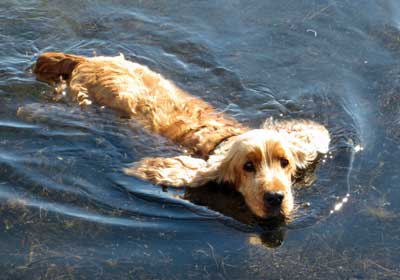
column 249, row 167
column 284, row 162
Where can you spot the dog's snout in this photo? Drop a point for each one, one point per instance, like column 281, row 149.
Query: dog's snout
column 273, row 199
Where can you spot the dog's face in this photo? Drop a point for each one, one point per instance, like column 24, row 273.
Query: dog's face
column 261, row 164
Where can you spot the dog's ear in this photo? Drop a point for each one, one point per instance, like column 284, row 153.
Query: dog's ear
column 306, row 138
column 180, row 171
column 303, row 153
column 315, row 135
column 306, row 147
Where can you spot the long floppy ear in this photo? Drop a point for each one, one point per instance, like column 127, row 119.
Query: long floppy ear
column 307, row 138
column 303, row 153
column 180, row 171
column 308, row 143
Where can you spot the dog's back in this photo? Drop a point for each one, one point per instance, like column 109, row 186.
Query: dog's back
column 140, row 93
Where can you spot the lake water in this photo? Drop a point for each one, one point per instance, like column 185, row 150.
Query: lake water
column 67, row 210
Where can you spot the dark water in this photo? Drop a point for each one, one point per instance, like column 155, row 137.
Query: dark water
column 68, row 212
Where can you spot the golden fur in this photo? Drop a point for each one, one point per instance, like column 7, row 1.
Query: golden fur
column 256, row 162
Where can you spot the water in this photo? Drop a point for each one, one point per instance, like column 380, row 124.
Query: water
column 67, row 210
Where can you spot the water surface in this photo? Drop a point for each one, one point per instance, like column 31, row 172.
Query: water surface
column 68, row 212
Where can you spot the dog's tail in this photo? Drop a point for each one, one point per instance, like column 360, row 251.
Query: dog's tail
column 53, row 66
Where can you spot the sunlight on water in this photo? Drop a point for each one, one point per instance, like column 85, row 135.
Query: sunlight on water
column 358, row 148
column 339, row 205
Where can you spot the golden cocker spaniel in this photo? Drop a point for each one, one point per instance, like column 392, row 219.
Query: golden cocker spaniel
column 258, row 163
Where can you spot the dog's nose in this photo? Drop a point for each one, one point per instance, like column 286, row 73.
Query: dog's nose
column 273, row 199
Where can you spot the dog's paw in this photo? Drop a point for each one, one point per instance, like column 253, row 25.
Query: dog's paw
column 175, row 172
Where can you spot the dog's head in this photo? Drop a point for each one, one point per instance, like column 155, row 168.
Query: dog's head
column 260, row 164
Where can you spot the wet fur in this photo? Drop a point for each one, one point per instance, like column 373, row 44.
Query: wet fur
column 219, row 145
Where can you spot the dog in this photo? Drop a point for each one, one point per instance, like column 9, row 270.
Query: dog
column 259, row 163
